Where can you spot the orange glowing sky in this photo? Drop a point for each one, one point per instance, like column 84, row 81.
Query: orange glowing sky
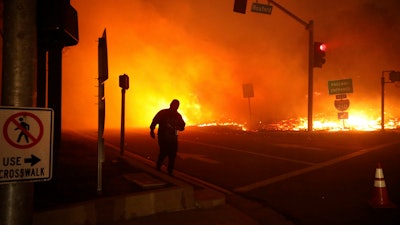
column 201, row 52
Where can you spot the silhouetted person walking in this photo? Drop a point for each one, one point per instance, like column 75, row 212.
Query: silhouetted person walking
column 169, row 123
column 25, row 127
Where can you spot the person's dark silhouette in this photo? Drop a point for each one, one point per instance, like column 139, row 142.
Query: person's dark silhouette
column 22, row 133
column 169, row 123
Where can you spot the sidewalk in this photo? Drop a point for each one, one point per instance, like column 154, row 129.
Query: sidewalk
column 133, row 192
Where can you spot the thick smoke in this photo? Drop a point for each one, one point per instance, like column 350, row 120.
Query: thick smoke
column 201, row 52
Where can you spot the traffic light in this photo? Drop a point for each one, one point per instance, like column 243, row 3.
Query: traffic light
column 240, row 6
column 319, row 54
column 57, row 22
column 124, row 81
column 394, row 76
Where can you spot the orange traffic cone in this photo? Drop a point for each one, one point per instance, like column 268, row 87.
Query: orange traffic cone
column 380, row 198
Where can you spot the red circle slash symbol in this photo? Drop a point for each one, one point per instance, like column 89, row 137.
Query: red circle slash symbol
column 25, row 135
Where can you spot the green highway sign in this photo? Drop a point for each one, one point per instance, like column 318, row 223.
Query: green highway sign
column 340, row 86
column 261, row 8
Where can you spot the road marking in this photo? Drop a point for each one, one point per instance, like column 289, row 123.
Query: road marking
column 299, row 146
column 285, row 176
column 198, row 157
column 250, row 153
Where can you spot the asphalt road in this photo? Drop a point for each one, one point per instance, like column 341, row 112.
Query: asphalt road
column 311, row 178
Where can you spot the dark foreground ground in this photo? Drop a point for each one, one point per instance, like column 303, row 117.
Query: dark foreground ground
column 75, row 176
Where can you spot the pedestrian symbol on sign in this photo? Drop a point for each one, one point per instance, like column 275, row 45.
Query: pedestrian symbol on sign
column 31, row 132
column 24, row 128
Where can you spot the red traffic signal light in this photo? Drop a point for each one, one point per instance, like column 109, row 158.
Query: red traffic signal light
column 319, row 54
column 240, row 6
column 322, row 47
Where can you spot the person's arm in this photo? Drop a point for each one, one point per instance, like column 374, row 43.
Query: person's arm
column 153, row 126
column 181, row 124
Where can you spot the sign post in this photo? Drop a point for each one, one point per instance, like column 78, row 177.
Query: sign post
column 26, row 142
column 102, row 77
column 124, row 84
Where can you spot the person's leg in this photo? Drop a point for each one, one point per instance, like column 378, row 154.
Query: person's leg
column 161, row 156
column 171, row 162
column 172, row 151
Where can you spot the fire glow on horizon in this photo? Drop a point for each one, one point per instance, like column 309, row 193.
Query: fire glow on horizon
column 354, row 123
column 201, row 53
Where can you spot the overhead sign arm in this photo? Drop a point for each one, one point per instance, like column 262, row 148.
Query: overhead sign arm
column 298, row 19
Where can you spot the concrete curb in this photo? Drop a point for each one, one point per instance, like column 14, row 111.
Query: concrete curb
column 110, row 210
column 204, row 198
column 115, row 209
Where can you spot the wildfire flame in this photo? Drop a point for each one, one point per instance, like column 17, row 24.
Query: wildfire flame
column 359, row 122
column 202, row 55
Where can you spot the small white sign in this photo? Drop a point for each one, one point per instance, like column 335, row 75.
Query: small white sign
column 26, row 143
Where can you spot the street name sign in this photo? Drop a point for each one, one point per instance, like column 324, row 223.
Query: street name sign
column 261, row 8
column 26, row 143
column 340, row 86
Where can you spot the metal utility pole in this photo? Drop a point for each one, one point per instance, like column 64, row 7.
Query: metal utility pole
column 19, row 90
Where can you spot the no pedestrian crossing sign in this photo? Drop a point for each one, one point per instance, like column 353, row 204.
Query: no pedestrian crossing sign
column 26, row 143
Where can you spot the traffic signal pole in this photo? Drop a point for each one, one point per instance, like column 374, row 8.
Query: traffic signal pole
column 240, row 7
column 394, row 76
column 383, row 101
column 310, row 27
